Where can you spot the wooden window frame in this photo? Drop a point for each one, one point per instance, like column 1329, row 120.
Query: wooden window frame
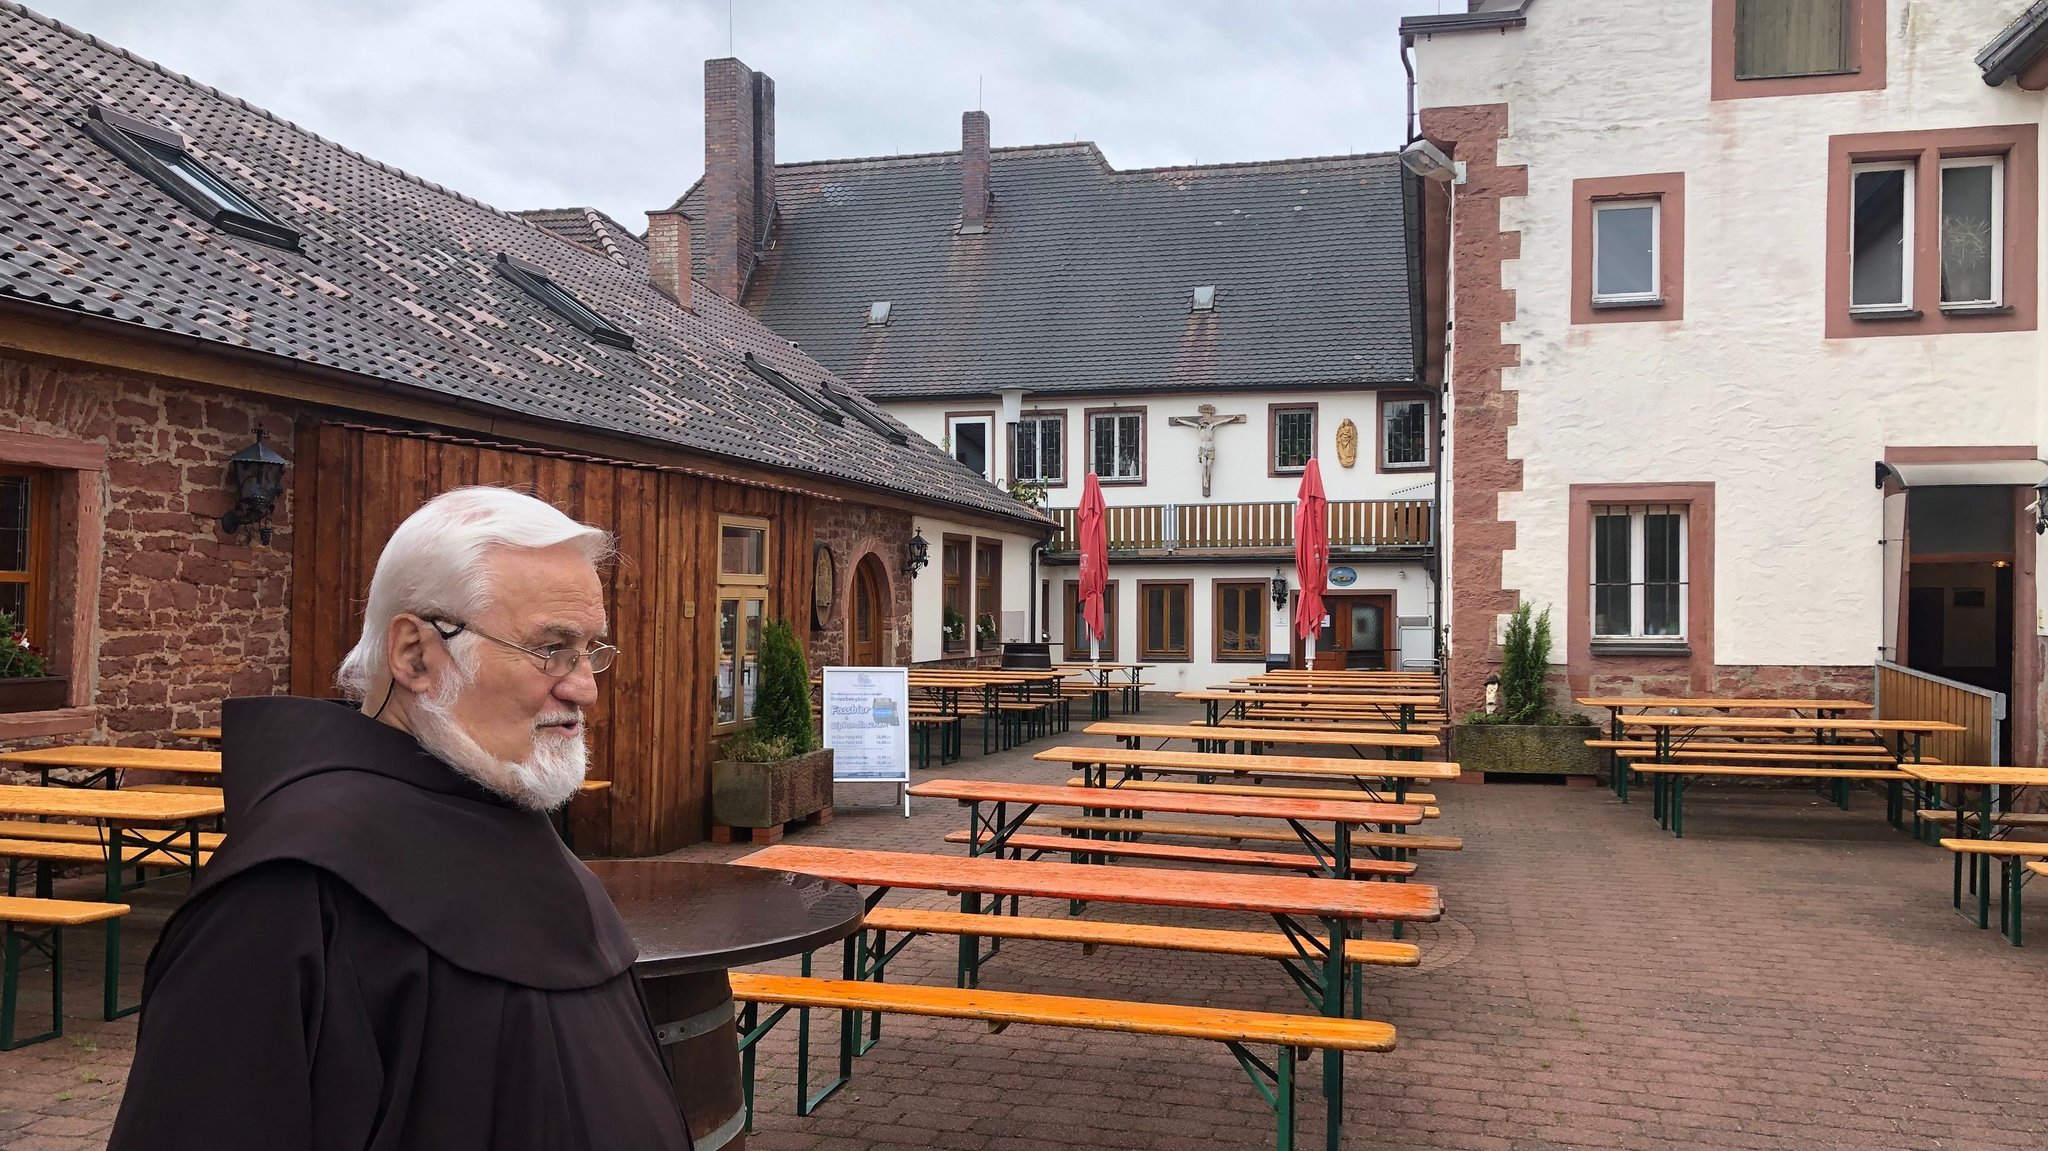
column 2018, row 146
column 77, row 549
column 747, row 579
column 990, row 580
column 1262, row 593
column 1379, row 432
column 39, row 576
column 1077, row 650
column 1144, row 436
column 992, row 470
column 1667, row 190
column 1315, row 431
column 1866, row 58
column 1151, row 654
column 1066, row 456
column 957, row 586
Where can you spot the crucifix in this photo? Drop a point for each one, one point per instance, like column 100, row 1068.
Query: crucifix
column 1205, row 424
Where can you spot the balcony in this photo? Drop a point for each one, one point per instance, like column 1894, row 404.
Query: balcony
column 1397, row 527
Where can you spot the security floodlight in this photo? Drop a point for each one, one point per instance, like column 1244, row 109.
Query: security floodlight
column 1429, row 162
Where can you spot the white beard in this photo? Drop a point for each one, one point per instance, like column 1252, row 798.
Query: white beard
column 543, row 781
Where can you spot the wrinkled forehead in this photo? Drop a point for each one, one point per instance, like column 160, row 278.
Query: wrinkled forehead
column 549, row 595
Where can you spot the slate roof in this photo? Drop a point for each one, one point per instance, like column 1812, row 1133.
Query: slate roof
column 1082, row 282
column 396, row 280
column 592, row 230
column 2016, row 45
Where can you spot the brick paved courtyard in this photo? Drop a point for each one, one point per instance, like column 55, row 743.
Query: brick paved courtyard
column 1787, row 976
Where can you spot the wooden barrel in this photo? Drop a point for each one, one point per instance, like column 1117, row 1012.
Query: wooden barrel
column 694, row 1021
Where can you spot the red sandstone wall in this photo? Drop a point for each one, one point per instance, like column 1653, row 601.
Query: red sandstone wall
column 852, row 532
column 188, row 615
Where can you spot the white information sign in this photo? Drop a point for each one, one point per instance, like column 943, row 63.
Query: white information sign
column 867, row 725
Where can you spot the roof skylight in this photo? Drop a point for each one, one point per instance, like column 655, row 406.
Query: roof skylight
column 857, row 407
column 161, row 155
column 1204, row 299
column 794, row 390
column 878, row 313
column 535, row 281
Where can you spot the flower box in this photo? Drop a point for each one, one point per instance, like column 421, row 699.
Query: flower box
column 34, row 693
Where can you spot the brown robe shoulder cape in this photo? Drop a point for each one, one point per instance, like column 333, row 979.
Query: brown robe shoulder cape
column 385, row 956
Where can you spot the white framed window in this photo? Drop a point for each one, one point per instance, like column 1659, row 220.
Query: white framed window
column 1640, row 558
column 1117, row 445
column 1625, row 256
column 1041, row 443
column 1404, row 435
column 1973, row 231
column 968, row 437
column 1881, row 236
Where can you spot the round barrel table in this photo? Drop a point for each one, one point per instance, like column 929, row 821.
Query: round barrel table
column 693, row 922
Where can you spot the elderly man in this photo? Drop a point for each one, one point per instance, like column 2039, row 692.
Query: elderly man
column 394, row 950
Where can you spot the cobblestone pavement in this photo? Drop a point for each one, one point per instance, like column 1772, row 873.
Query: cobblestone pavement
column 1787, row 976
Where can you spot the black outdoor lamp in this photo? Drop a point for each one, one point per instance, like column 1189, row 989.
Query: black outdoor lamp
column 1279, row 589
column 2041, row 507
column 256, row 476
column 916, row 554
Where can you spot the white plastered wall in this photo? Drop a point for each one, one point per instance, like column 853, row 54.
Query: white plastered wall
column 1744, row 392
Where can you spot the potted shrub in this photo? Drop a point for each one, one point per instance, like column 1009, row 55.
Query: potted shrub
column 25, row 680
column 954, row 628
column 985, row 631
column 1526, row 735
column 775, row 772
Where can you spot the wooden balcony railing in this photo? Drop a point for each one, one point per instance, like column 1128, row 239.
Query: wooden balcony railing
column 1252, row 527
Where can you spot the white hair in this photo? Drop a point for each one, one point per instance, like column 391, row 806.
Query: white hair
column 437, row 564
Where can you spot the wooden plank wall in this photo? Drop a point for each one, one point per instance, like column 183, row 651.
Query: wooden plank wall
column 651, row 730
column 1904, row 695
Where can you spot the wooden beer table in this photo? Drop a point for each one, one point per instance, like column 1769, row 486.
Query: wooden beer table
column 1207, row 738
column 1995, row 787
column 1221, row 704
column 107, row 763
column 1371, row 775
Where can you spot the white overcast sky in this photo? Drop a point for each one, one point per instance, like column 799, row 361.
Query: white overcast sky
column 551, row 103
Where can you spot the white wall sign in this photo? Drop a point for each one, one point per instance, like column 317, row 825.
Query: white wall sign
column 867, row 725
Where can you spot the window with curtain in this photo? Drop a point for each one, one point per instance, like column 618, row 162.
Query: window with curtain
column 1164, row 635
column 1972, row 230
column 1117, row 440
column 1777, row 38
column 1639, row 571
column 1240, row 615
column 744, row 558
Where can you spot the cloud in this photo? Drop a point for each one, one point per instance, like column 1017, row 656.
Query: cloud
column 549, row 103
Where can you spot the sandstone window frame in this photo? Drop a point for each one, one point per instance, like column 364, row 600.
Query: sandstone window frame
column 1926, row 153
column 1694, row 655
column 1867, row 63
column 1667, row 191
column 78, row 545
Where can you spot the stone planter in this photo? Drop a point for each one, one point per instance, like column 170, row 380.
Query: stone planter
column 32, row 693
column 1525, row 749
column 771, row 794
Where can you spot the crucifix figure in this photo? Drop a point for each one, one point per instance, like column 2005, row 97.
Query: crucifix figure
column 1205, row 424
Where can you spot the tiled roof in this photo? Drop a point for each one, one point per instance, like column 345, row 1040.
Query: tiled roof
column 2016, row 45
column 396, row 280
column 1482, row 15
column 593, row 231
column 1082, row 281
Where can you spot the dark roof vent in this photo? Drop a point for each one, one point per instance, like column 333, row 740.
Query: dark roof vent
column 1204, row 299
column 535, row 281
column 795, row 391
column 878, row 314
column 161, row 155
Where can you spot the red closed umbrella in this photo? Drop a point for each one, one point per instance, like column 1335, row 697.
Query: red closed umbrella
column 1311, row 554
column 1092, row 522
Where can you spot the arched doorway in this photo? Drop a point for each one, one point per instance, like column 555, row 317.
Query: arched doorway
column 868, row 620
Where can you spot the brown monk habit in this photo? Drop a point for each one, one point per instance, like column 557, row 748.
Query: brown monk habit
column 386, row 956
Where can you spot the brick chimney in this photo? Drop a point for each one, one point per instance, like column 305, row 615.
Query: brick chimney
column 974, row 201
column 668, row 253
column 739, row 172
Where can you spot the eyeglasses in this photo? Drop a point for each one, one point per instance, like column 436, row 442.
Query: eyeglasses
column 558, row 660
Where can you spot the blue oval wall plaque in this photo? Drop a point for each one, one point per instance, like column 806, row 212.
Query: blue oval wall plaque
column 1343, row 577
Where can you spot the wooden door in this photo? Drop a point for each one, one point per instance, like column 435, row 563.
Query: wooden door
column 864, row 638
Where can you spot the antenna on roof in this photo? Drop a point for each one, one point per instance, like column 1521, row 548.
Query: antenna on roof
column 977, row 93
column 728, row 27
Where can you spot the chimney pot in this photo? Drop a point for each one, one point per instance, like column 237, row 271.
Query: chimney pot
column 974, row 197
column 668, row 254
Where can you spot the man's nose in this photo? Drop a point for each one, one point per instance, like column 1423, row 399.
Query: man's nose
column 579, row 687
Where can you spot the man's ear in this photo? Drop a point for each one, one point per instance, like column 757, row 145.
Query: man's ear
column 407, row 653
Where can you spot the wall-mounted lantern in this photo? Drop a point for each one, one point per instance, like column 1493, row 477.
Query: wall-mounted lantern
column 916, row 554
column 1279, row 589
column 2041, row 507
column 256, row 477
